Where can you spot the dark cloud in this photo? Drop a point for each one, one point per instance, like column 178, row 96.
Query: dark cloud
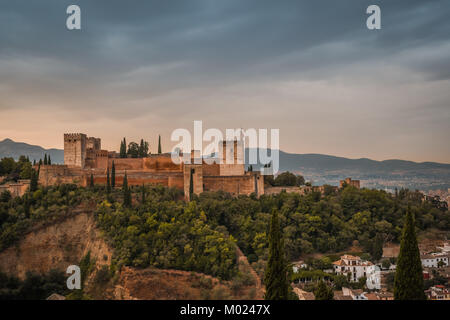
column 140, row 57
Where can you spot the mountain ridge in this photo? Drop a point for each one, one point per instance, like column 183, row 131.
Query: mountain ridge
column 320, row 168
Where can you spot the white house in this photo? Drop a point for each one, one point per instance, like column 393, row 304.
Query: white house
column 433, row 260
column 352, row 267
column 355, row 294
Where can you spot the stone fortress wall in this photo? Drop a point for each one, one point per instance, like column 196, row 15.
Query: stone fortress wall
column 84, row 157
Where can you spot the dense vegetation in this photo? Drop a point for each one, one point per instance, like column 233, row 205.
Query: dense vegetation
column 166, row 233
column 315, row 223
column 14, row 170
column 157, row 228
column 33, row 287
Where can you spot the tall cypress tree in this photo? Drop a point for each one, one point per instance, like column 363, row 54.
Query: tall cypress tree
column 191, row 184
column 49, row 161
column 275, row 279
column 91, row 184
column 108, row 183
column 45, row 159
column 159, row 145
column 113, row 175
column 143, row 194
column 34, row 180
column 408, row 283
column 123, row 148
column 126, row 192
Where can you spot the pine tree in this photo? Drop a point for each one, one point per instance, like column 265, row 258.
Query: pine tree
column 108, row 183
column 323, row 292
column 275, row 279
column 159, row 145
column 408, row 283
column 45, row 159
column 91, row 184
column 126, row 192
column 113, row 175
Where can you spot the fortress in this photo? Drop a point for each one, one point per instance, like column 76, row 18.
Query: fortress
column 83, row 157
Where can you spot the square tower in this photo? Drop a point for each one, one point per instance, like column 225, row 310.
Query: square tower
column 74, row 149
column 232, row 158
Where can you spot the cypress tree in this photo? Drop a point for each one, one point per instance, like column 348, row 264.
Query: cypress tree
column 34, row 162
column 49, row 161
column 40, row 161
column 275, row 279
column 26, row 206
column 34, row 181
column 113, row 175
column 108, row 184
column 408, row 283
column 45, row 159
column 159, row 144
column 141, row 149
column 123, row 148
column 143, row 194
column 126, row 192
column 191, row 184
column 91, row 184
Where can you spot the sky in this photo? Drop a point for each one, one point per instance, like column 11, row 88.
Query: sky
column 311, row 69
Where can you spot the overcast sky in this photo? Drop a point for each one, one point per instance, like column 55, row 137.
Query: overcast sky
column 310, row 68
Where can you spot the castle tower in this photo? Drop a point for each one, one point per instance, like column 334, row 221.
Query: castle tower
column 232, row 158
column 93, row 143
column 74, row 149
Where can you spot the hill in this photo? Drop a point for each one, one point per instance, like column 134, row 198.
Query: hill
column 10, row 148
column 326, row 169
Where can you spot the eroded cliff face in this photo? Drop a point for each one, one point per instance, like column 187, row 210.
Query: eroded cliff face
column 66, row 242
column 56, row 247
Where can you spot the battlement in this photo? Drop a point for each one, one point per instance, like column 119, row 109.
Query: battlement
column 74, row 136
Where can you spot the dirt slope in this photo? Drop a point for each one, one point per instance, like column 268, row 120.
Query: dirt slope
column 56, row 247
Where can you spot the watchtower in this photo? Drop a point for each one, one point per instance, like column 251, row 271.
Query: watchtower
column 74, row 149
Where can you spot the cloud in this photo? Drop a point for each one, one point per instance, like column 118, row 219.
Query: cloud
column 167, row 63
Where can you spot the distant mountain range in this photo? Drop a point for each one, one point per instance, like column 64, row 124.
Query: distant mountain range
column 387, row 174
column 319, row 168
column 10, row 148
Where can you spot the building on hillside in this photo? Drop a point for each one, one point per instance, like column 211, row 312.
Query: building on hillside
column 355, row 294
column 349, row 182
column 438, row 292
column 84, row 157
column 296, row 266
column 377, row 278
column 384, row 295
column 17, row 189
column 435, row 260
column 445, row 248
column 353, row 267
column 304, row 295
